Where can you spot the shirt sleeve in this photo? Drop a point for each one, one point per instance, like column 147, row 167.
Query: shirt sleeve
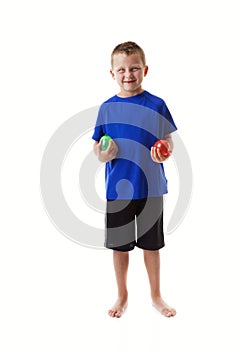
column 167, row 124
column 98, row 130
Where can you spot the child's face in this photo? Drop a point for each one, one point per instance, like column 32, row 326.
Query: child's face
column 128, row 71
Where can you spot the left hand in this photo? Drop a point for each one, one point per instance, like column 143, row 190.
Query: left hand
column 157, row 156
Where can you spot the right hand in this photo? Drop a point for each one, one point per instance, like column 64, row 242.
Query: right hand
column 107, row 155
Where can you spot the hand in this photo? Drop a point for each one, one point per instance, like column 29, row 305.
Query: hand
column 157, row 156
column 107, row 155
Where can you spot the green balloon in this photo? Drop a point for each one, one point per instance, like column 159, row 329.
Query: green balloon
column 105, row 142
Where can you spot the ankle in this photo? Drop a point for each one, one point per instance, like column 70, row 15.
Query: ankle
column 122, row 295
column 156, row 295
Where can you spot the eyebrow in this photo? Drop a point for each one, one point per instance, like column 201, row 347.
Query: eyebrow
column 136, row 65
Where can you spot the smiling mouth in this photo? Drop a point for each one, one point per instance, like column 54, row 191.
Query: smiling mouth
column 129, row 82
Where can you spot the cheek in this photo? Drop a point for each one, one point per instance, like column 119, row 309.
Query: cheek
column 139, row 76
column 119, row 77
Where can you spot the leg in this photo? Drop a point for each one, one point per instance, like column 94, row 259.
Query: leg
column 152, row 262
column 121, row 262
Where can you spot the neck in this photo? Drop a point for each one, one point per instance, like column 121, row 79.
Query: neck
column 129, row 94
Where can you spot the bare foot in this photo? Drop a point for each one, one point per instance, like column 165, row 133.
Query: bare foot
column 163, row 308
column 118, row 308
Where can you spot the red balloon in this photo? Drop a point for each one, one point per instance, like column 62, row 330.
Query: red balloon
column 162, row 145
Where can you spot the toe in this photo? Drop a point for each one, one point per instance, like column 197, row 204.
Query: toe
column 111, row 313
column 173, row 311
column 118, row 314
column 166, row 312
column 169, row 312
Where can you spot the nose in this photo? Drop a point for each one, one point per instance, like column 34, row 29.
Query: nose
column 128, row 74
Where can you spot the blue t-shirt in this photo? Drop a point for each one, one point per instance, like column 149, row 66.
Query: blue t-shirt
column 135, row 123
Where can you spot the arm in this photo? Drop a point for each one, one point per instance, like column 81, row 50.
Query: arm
column 108, row 154
column 168, row 138
column 157, row 156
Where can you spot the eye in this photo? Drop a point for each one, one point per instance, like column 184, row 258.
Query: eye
column 120, row 70
column 135, row 69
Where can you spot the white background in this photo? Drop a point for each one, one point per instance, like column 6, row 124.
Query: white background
column 54, row 293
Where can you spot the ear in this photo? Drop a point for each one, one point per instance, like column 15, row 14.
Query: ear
column 145, row 70
column 112, row 74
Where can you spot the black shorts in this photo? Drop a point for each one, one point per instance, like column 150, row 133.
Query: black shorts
column 133, row 223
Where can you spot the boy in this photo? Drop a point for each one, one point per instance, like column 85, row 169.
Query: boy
column 135, row 180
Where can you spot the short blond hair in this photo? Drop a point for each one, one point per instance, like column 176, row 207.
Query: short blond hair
column 129, row 48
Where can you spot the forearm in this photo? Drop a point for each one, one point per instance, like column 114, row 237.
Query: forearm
column 168, row 138
column 108, row 154
column 96, row 148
